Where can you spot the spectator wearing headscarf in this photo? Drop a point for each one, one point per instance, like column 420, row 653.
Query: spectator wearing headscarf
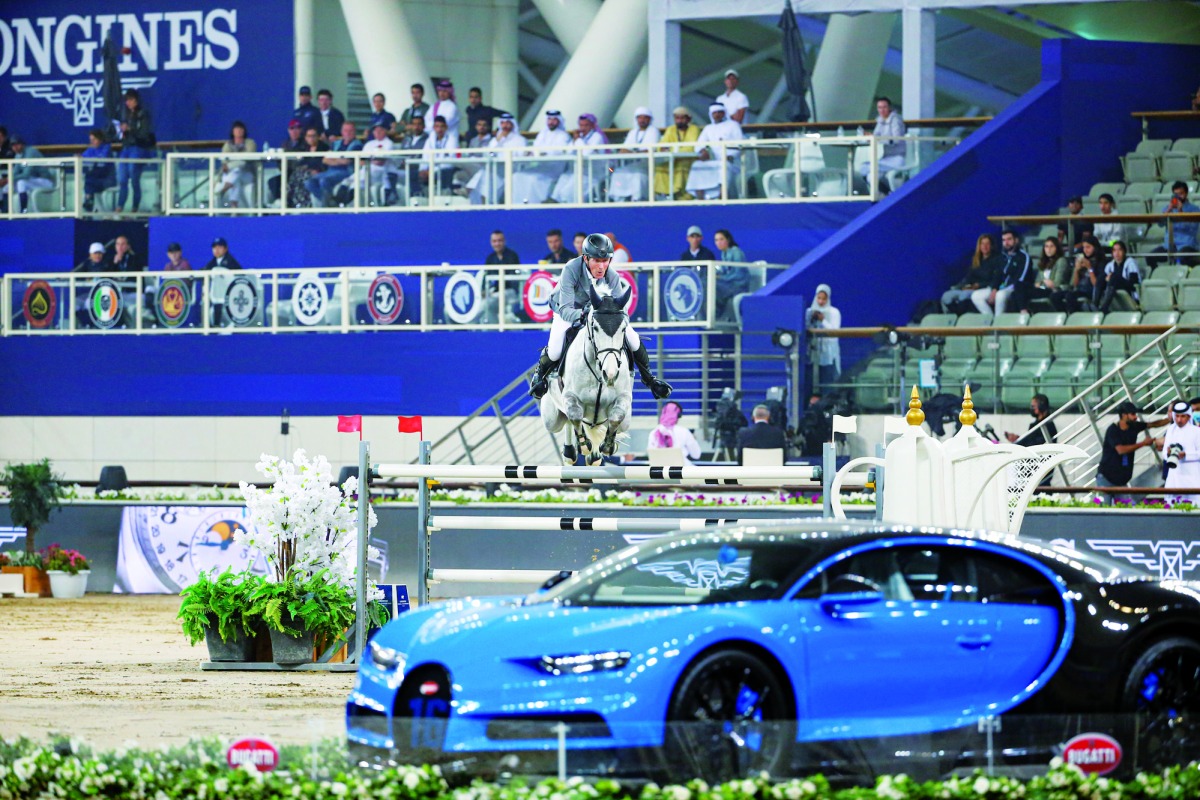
column 631, row 180
column 707, row 173
column 826, row 350
column 595, row 169
column 669, row 433
column 534, row 180
column 671, row 171
column 445, row 106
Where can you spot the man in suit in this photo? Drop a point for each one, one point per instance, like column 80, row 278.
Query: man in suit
column 761, row 434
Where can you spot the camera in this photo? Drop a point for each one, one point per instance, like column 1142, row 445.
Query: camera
column 1174, row 455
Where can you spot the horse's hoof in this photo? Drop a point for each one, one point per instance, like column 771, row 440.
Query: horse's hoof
column 585, row 450
column 568, row 462
column 595, row 462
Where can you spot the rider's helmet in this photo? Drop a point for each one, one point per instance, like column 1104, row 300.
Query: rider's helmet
column 597, row 246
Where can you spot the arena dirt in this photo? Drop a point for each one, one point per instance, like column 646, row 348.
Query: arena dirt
column 108, row 669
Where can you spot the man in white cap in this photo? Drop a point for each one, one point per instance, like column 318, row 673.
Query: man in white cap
column 534, row 180
column 1181, row 446
column 95, row 262
column 696, row 251
column 705, row 178
column 737, row 105
column 631, row 180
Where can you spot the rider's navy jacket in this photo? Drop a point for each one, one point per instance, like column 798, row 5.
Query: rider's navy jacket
column 571, row 295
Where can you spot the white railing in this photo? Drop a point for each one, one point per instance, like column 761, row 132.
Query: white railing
column 810, row 168
column 70, row 179
column 668, row 294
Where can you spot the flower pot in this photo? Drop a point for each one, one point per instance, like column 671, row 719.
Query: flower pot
column 292, row 649
column 66, row 586
column 238, row 648
column 36, row 581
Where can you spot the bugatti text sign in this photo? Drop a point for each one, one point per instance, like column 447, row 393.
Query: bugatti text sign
column 1093, row 752
column 257, row 753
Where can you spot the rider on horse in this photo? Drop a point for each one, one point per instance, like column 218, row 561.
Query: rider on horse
column 570, row 298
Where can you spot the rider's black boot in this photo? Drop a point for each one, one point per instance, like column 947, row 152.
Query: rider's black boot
column 659, row 388
column 539, row 383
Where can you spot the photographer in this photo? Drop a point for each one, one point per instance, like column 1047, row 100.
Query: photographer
column 728, row 419
column 1181, row 454
column 1120, row 445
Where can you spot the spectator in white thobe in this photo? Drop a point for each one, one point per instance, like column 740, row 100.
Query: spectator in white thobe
column 1184, row 434
column 534, row 180
column 631, row 180
column 705, row 178
column 595, row 168
column 487, row 185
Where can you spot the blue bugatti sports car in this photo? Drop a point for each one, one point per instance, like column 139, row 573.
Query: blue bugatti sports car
column 730, row 648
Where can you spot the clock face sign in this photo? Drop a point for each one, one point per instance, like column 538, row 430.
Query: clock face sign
column 179, row 542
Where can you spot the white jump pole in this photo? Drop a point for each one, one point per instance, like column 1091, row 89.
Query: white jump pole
column 713, row 476
column 364, row 512
column 423, row 529
column 609, row 524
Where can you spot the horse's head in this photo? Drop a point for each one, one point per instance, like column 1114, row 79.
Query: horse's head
column 606, row 328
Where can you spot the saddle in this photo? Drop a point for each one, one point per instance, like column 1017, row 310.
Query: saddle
column 572, row 332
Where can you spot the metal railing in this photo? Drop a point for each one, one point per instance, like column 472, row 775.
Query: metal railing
column 665, row 294
column 805, row 168
column 73, row 186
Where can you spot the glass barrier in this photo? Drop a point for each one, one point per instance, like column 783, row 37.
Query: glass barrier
column 80, row 187
column 661, row 295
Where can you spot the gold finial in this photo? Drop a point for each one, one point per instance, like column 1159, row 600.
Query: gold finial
column 968, row 415
column 915, row 415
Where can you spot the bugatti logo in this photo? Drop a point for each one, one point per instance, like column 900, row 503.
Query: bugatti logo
column 1096, row 753
column 684, row 294
column 104, row 304
column 39, row 304
column 309, row 300
column 1171, row 559
column 428, row 688
column 463, row 297
column 81, row 97
column 385, row 299
column 258, row 753
column 174, row 303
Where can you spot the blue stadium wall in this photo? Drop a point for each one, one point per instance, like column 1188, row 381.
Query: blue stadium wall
column 1059, row 139
column 436, row 373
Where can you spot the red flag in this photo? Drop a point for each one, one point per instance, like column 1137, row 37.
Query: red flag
column 350, row 424
column 411, row 425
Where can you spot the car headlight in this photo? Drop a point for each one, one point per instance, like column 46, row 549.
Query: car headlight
column 386, row 657
column 583, row 663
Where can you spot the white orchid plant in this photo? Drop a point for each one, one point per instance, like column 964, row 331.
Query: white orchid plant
column 304, row 523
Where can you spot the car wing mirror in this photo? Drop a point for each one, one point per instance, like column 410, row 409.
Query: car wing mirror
column 831, row 603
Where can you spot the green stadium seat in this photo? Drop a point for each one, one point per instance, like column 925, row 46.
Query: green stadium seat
column 1140, row 167
column 1156, row 295
column 1022, row 379
column 1142, row 189
column 985, row 378
column 1039, row 344
column 1174, row 274
column 1115, row 189
column 1065, row 378
column 1113, row 345
column 1075, row 345
column 1189, row 296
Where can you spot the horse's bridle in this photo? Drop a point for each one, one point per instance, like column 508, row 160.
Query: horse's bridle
column 601, row 354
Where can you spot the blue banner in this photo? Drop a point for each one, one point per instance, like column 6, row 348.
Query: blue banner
column 198, row 66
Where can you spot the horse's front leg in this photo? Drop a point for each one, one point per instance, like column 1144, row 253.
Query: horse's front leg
column 574, row 408
column 616, row 416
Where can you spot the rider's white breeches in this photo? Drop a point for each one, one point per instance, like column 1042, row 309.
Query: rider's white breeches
column 558, row 336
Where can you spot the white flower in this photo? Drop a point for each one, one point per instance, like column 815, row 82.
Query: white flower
column 221, row 785
column 679, row 793
column 980, row 786
column 338, row 788
column 24, row 768
column 412, row 780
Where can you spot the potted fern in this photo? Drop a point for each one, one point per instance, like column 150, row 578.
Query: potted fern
column 217, row 610
column 305, row 526
column 34, row 491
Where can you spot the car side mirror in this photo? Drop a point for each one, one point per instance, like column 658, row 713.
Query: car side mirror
column 832, row 603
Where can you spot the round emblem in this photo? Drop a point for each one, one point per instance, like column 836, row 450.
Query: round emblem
column 537, row 296
column 309, row 300
column 385, row 300
column 257, row 753
column 463, row 297
column 683, row 292
column 104, row 303
column 1095, row 753
column 39, row 304
column 178, row 543
column 629, row 283
column 174, row 303
column 241, row 300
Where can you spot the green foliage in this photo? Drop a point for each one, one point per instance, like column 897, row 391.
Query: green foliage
column 34, row 491
column 70, row 561
column 317, row 604
column 197, row 770
column 225, row 599
column 19, row 558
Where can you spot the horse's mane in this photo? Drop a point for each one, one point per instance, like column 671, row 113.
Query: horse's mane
column 609, row 315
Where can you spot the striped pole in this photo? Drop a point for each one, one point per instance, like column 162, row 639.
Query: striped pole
column 491, row 575
column 610, row 524
column 712, row 476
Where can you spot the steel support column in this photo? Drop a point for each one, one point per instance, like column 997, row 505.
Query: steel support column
column 919, row 56
column 389, row 68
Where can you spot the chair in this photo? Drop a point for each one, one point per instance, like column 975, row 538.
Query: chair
column 1189, row 296
column 1157, row 295
column 1154, row 147
column 1178, row 165
column 759, row 457
column 1140, row 167
column 665, row 456
column 1143, row 189
column 1112, row 345
column 1064, row 379
column 1115, row 189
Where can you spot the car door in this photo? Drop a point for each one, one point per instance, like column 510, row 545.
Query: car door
column 906, row 654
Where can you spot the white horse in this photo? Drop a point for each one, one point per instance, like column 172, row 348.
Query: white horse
column 594, row 388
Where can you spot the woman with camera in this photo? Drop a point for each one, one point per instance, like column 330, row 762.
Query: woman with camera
column 826, row 350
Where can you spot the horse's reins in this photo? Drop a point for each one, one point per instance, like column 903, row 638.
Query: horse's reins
column 599, row 361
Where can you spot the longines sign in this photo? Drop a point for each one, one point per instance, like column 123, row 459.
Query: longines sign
column 198, row 67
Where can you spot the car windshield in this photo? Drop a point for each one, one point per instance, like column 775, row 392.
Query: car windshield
column 689, row 571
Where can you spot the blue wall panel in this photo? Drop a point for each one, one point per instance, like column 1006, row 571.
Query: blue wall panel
column 777, row 233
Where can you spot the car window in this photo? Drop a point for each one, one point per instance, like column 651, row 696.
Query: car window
column 711, row 572
column 1004, row 580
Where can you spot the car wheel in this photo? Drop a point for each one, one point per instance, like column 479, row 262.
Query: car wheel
column 1163, row 689
column 729, row 716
